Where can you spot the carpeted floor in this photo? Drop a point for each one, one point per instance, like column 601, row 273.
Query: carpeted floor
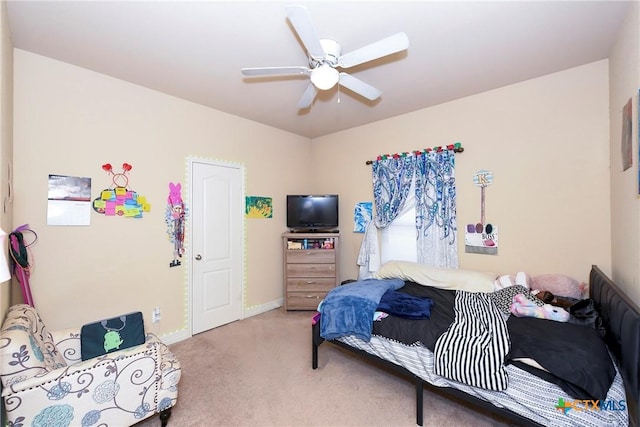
column 257, row 372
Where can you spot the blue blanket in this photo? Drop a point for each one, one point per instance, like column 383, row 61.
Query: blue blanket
column 349, row 309
column 405, row 305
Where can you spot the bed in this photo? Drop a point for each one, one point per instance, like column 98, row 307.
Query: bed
column 532, row 396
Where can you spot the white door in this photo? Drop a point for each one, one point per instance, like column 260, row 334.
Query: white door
column 216, row 236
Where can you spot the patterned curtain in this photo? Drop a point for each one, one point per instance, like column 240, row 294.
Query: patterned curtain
column 391, row 183
column 436, row 209
column 435, row 194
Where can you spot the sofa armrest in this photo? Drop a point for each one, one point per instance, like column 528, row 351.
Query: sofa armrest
column 170, row 374
column 67, row 342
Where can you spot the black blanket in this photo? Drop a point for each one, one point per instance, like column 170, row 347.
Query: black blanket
column 426, row 331
column 575, row 357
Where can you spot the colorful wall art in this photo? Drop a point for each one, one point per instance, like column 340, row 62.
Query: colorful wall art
column 481, row 239
column 119, row 200
column 362, row 216
column 258, row 207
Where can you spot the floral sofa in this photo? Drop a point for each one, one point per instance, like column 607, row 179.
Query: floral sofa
column 45, row 382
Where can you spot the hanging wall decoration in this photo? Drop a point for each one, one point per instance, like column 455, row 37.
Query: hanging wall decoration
column 175, row 218
column 22, row 259
column 119, row 200
column 362, row 215
column 258, row 207
column 481, row 238
column 69, row 200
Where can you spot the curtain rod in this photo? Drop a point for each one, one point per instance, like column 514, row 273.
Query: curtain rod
column 457, row 148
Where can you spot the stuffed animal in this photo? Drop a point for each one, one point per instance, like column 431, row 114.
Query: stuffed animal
column 558, row 301
column 523, row 307
column 559, row 285
column 521, row 278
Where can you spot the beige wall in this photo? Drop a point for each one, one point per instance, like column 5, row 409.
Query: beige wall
column 545, row 140
column 70, row 121
column 625, row 221
column 6, row 139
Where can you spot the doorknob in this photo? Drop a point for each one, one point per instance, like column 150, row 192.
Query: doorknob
column 198, row 257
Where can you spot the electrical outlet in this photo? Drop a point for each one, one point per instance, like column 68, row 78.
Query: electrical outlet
column 155, row 315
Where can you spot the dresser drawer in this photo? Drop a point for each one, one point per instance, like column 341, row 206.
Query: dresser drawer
column 304, row 300
column 310, row 284
column 311, row 270
column 310, row 256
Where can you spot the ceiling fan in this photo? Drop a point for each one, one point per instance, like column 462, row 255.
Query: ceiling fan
column 326, row 59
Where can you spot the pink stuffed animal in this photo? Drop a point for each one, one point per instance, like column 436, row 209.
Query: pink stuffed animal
column 559, row 285
column 522, row 307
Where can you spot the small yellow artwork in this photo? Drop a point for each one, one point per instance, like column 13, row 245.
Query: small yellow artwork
column 258, row 207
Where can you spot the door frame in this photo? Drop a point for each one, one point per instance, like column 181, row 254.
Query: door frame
column 221, row 163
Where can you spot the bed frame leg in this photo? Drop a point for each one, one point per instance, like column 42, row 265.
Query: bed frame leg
column 316, row 340
column 419, row 402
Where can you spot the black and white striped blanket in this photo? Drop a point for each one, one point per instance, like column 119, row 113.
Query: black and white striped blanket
column 473, row 350
column 574, row 357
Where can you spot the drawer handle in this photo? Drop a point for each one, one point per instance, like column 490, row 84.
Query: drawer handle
column 312, row 296
column 301, row 284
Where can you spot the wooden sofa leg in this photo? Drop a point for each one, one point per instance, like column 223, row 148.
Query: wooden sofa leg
column 164, row 417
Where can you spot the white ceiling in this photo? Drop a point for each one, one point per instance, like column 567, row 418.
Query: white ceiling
column 195, row 49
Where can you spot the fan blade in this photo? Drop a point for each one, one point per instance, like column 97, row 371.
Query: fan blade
column 359, row 87
column 267, row 71
column 307, row 97
column 301, row 20
column 384, row 47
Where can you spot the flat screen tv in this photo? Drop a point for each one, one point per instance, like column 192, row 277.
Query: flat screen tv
column 312, row 212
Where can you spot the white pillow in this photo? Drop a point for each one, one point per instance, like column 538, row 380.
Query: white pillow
column 443, row 278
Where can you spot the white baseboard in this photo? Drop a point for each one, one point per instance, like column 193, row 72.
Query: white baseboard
column 259, row 309
column 183, row 334
column 175, row 337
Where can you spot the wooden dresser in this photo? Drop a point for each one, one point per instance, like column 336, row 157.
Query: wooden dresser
column 310, row 268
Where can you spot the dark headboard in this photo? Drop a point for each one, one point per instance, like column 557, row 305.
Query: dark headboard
column 622, row 320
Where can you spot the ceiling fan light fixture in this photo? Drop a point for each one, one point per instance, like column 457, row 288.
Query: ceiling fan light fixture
column 324, row 77
column 325, row 58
